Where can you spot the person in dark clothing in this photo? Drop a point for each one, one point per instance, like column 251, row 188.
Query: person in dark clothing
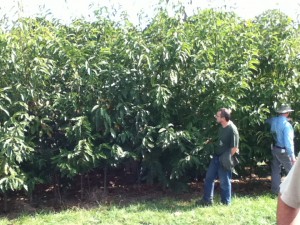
column 221, row 164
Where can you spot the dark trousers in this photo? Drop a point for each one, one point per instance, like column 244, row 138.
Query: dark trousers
column 280, row 158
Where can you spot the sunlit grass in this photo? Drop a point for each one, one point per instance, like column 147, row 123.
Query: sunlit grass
column 244, row 210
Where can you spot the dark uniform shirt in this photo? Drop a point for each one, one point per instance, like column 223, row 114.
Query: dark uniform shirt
column 228, row 138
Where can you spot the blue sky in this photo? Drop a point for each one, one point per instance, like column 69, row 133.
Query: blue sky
column 66, row 10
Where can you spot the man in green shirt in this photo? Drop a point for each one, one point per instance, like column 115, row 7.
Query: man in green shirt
column 221, row 164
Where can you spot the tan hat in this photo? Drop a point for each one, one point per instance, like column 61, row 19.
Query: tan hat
column 284, row 109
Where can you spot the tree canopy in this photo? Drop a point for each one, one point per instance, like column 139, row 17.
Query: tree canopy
column 93, row 95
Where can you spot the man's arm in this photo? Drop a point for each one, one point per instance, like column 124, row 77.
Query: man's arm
column 235, row 142
column 289, row 142
column 286, row 215
column 288, row 203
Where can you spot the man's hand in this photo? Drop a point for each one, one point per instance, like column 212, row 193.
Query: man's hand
column 234, row 150
column 293, row 159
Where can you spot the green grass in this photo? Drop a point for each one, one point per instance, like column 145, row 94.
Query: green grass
column 244, row 210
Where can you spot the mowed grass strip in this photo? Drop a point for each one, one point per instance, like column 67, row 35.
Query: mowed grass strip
column 244, row 210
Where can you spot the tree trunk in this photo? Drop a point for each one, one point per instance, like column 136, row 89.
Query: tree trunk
column 5, row 202
column 57, row 193
column 81, row 186
column 89, row 183
column 105, row 181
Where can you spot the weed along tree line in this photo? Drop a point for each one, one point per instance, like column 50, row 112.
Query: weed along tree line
column 92, row 96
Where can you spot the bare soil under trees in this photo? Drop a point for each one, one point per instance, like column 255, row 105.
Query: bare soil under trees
column 121, row 190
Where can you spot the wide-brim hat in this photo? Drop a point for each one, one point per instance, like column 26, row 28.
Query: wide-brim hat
column 284, row 109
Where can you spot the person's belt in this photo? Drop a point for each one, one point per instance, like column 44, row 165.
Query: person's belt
column 276, row 146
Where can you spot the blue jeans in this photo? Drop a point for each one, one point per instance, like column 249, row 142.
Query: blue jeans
column 214, row 171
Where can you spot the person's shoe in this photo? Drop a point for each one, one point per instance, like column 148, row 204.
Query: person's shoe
column 274, row 195
column 203, row 203
column 225, row 203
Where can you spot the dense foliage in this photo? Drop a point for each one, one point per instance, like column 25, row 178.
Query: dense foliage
column 89, row 96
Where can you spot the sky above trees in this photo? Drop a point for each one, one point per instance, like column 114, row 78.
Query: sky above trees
column 66, row 10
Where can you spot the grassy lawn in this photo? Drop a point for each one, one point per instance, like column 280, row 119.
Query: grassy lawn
column 258, row 209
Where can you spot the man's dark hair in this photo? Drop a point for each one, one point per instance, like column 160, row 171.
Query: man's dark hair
column 225, row 113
